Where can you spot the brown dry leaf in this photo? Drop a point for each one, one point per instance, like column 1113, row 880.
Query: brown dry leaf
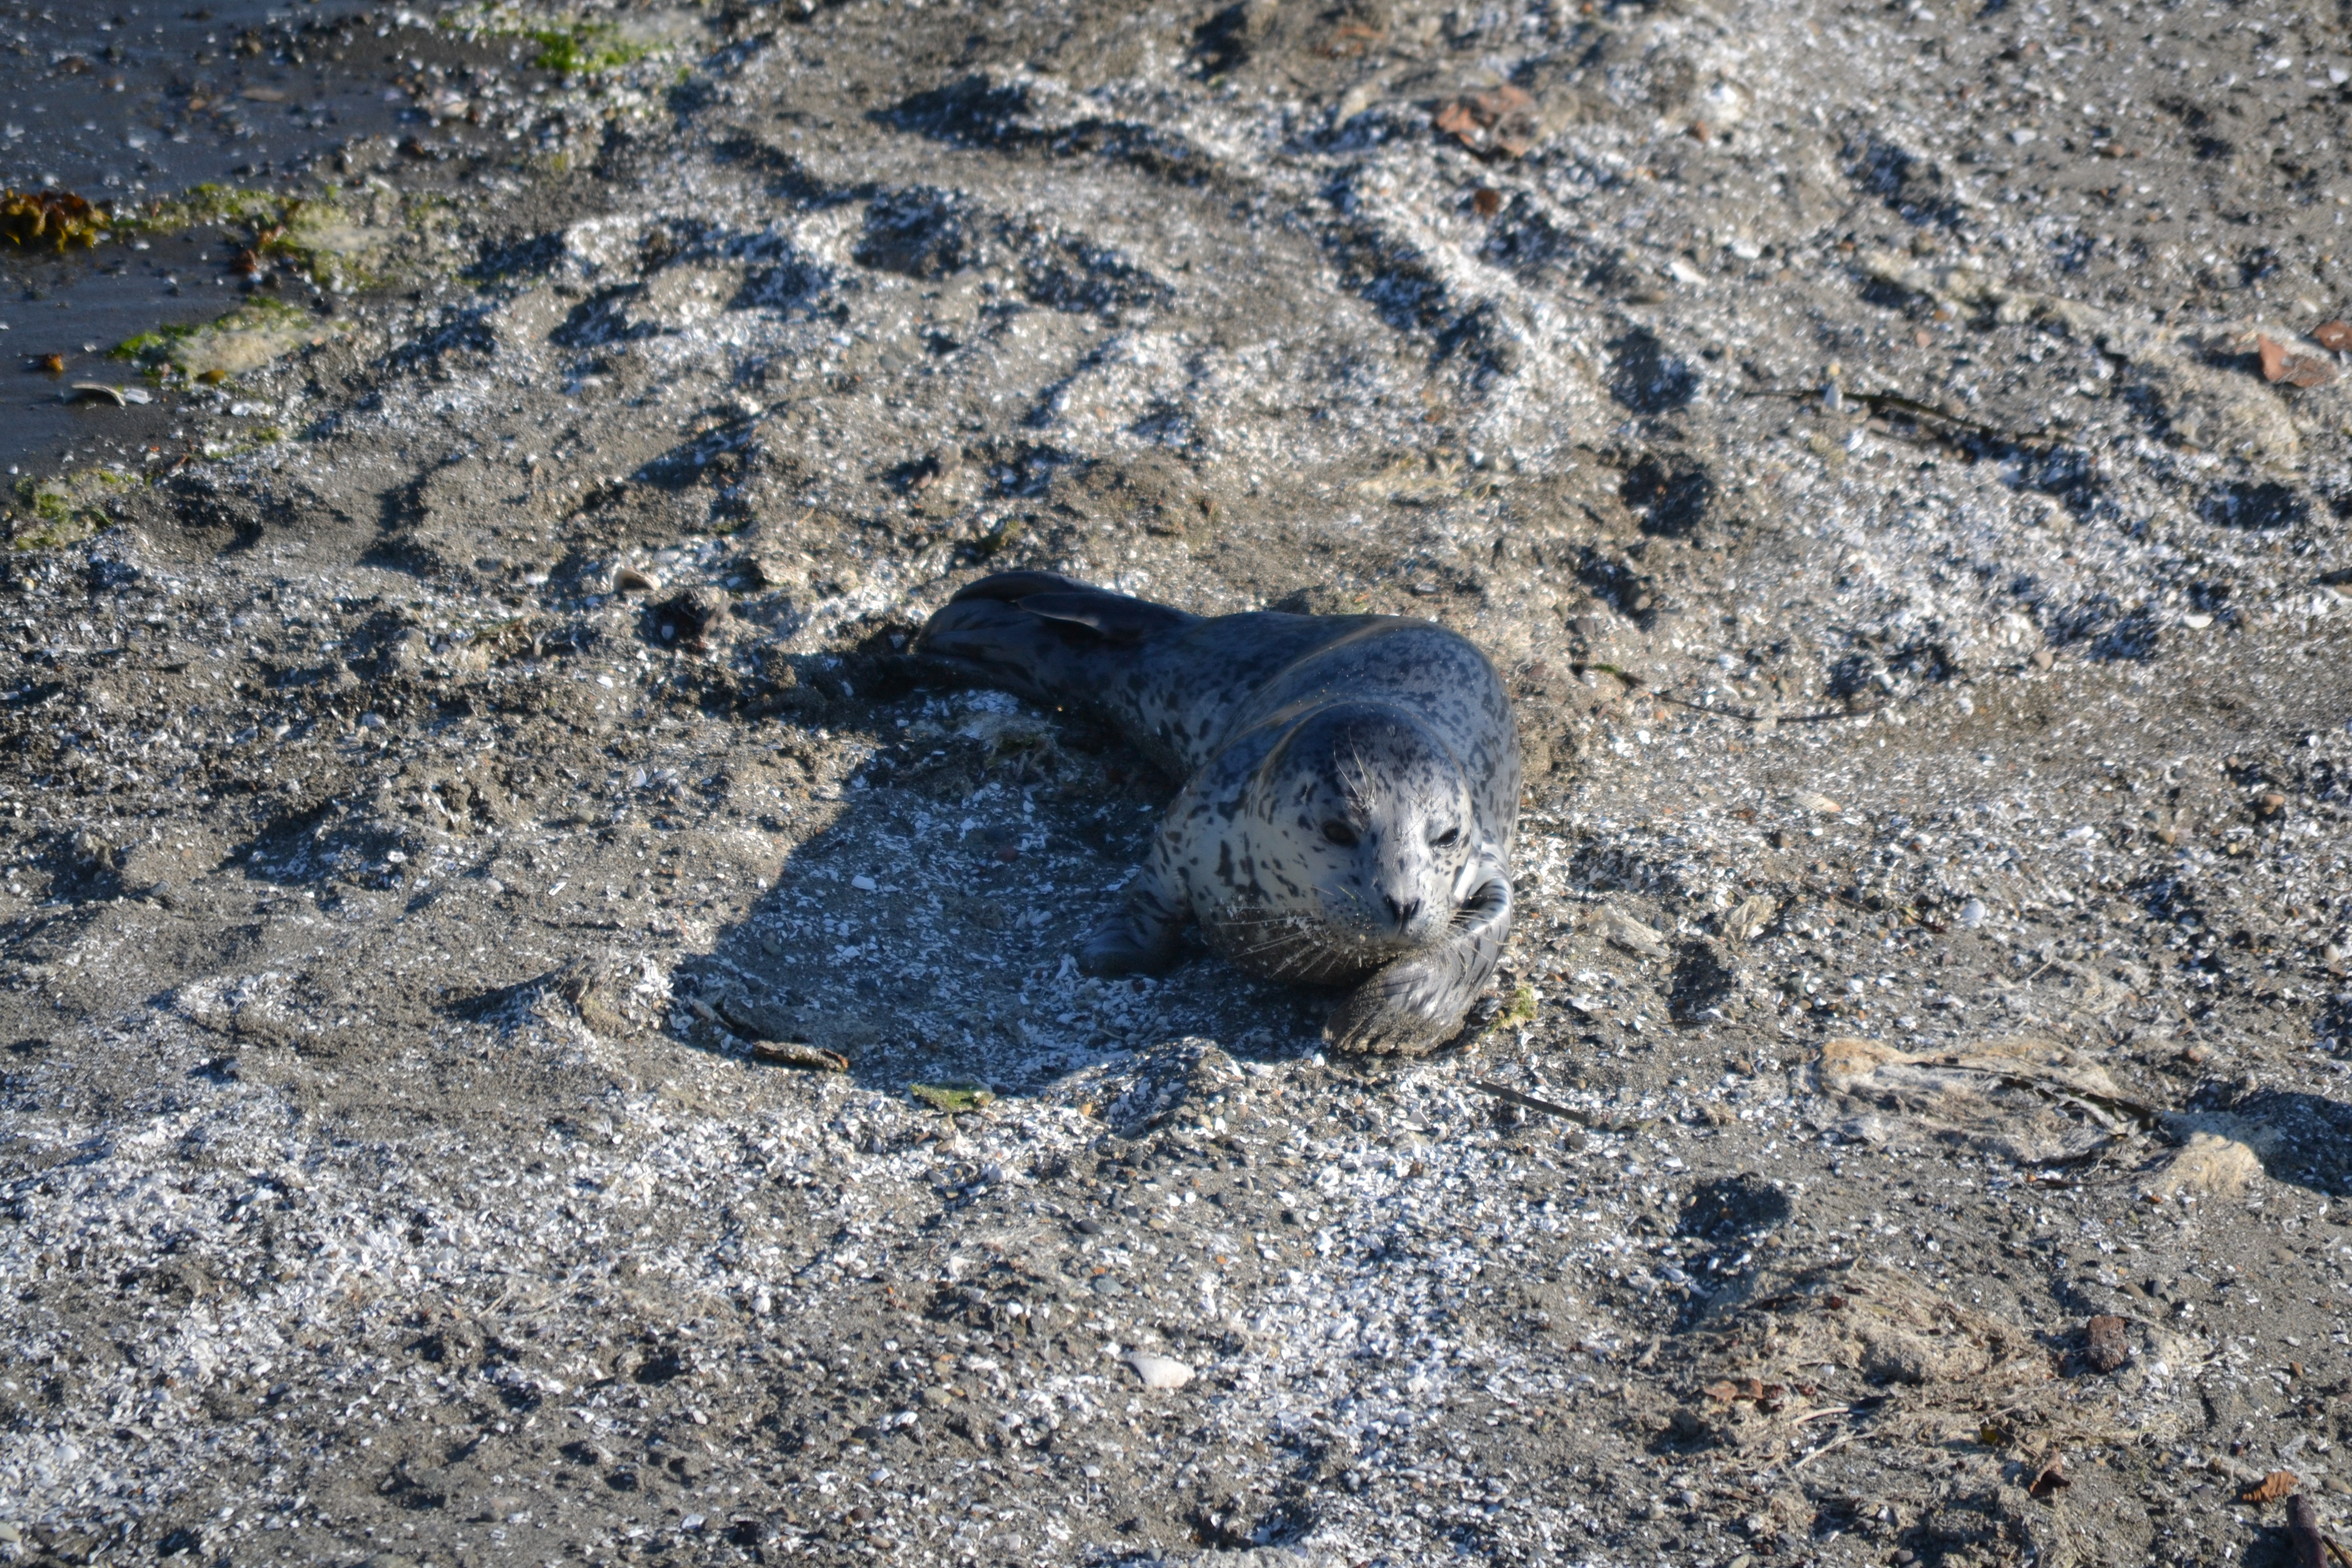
column 1499, row 119
column 2335, row 335
column 2049, row 1480
column 2281, row 363
column 2270, row 1487
column 1456, row 118
column 1723, row 1391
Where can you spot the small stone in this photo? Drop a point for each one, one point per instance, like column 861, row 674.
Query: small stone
column 1973, row 914
column 2335, row 335
column 1160, row 1370
column 2107, row 1344
column 2043, row 658
column 1819, row 805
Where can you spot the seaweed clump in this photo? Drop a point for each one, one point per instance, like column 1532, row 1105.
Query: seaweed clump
column 56, row 218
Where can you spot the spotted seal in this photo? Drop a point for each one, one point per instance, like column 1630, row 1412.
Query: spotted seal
column 1352, row 788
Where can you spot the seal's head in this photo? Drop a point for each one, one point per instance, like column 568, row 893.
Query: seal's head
column 1357, row 833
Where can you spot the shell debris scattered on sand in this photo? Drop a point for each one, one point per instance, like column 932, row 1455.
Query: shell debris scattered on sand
column 408, row 941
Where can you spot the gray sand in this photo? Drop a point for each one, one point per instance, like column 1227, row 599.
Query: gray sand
column 431, row 807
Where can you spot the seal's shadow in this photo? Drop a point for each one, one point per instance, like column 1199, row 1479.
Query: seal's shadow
column 2310, row 1139
column 927, row 931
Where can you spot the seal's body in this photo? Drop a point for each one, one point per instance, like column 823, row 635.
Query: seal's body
column 1352, row 787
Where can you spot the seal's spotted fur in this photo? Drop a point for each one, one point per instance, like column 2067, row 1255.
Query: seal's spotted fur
column 1352, row 786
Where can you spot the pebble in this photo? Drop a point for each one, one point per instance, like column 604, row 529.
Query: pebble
column 2105, row 1346
column 1625, row 932
column 1160, row 1370
column 1819, row 805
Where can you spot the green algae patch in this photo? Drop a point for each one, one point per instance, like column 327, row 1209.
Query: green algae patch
column 66, row 510
column 248, row 338
column 51, row 220
column 335, row 249
column 333, row 246
column 574, row 45
column 1517, row 1013
column 205, row 204
column 952, row 1098
column 584, row 47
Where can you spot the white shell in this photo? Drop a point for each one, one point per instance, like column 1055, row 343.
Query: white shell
column 1160, row 1370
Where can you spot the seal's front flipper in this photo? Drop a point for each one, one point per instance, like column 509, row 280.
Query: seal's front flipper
column 1417, row 1003
column 1146, row 937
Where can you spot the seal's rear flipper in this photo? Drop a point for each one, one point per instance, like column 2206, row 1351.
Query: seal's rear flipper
column 1114, row 618
column 1049, row 637
column 1013, row 586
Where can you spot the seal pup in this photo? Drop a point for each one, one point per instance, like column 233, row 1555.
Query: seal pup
column 1352, row 788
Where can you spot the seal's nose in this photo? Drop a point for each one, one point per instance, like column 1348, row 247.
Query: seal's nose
column 1401, row 912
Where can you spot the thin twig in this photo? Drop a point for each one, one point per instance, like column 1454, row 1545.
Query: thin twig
column 1817, row 1415
column 1853, row 903
column 1821, row 717
column 1840, row 1441
column 1531, row 1102
column 1881, row 402
column 2341, row 1555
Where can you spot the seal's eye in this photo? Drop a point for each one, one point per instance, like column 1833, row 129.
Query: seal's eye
column 1448, row 839
column 1339, row 832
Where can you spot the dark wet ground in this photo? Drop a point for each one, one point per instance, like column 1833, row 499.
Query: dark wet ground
column 127, row 103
